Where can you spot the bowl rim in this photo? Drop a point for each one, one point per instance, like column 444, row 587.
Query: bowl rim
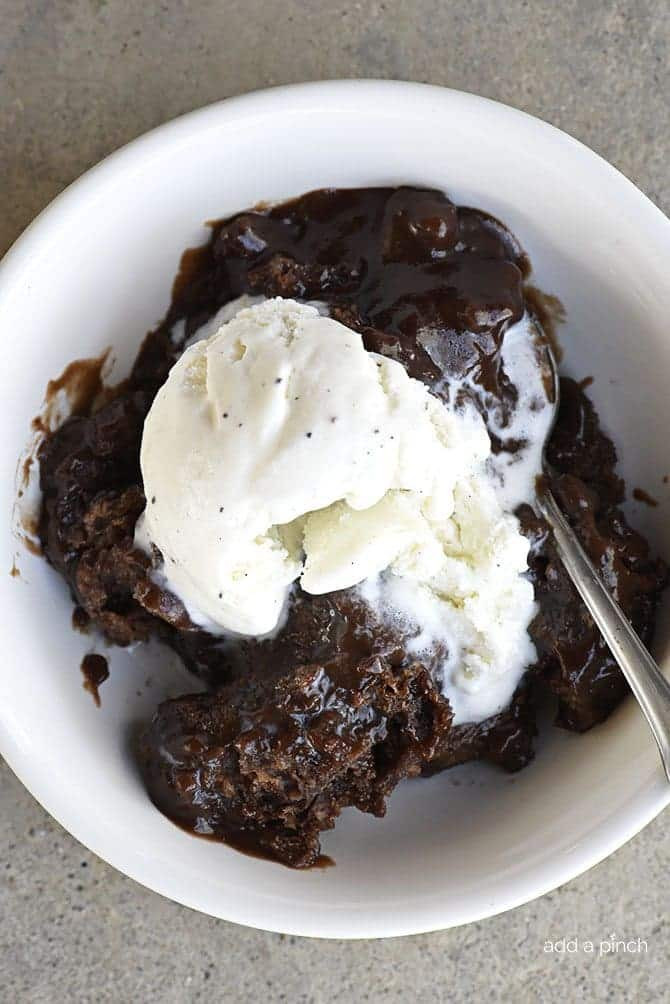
column 604, row 839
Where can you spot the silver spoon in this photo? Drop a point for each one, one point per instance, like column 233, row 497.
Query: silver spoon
column 646, row 681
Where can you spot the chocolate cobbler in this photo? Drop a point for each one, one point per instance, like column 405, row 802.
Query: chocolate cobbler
column 334, row 708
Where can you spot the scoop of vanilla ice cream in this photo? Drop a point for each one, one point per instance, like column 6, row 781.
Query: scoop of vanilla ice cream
column 280, row 449
column 278, row 416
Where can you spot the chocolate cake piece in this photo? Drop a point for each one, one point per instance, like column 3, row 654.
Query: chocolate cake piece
column 91, row 500
column 268, row 767
column 575, row 662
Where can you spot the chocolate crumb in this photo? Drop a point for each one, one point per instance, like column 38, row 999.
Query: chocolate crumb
column 95, row 671
column 640, row 495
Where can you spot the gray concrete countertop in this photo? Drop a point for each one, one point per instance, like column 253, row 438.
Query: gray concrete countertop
column 77, row 79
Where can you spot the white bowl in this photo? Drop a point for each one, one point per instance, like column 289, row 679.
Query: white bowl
column 95, row 270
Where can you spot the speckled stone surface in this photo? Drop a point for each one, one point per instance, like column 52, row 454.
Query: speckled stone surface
column 78, row 79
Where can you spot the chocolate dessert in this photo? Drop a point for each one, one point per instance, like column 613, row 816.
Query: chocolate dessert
column 334, row 709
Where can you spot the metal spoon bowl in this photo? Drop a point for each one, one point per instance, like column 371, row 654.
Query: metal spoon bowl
column 648, row 684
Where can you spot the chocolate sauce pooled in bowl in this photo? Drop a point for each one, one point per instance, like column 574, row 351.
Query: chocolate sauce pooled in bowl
column 333, row 711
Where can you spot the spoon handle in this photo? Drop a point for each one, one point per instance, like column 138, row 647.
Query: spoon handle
column 646, row 681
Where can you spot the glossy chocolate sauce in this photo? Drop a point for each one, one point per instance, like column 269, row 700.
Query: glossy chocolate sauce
column 95, row 671
column 332, row 712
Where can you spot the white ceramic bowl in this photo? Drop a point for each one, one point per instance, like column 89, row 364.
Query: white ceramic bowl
column 95, row 270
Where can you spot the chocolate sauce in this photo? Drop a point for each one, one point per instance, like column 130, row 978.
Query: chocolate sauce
column 95, row 671
column 244, row 842
column 271, row 754
column 640, row 495
column 550, row 313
